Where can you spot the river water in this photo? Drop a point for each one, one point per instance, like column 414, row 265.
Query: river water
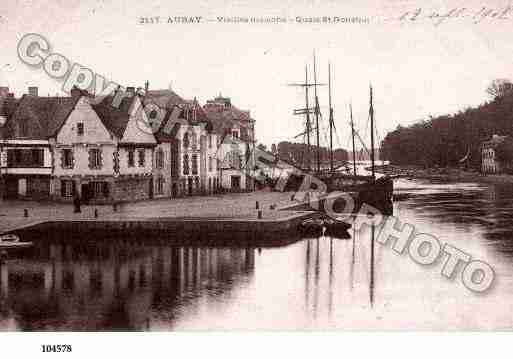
column 315, row 283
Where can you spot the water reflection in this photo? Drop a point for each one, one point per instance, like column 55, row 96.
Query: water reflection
column 113, row 286
column 314, row 283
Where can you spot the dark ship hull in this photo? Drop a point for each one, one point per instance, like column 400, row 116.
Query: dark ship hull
column 377, row 193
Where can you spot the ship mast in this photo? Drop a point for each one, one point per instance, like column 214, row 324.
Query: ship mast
column 331, row 118
column 371, row 115
column 318, row 152
column 352, row 136
column 308, row 125
column 308, row 111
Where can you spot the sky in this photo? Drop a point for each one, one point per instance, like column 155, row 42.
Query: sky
column 417, row 68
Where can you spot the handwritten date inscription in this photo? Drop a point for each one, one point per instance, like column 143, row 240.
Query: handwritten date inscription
column 476, row 16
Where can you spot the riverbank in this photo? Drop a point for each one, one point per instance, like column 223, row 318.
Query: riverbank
column 443, row 174
column 229, row 213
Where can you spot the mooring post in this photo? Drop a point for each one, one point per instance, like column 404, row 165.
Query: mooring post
column 259, row 214
column 25, row 213
column 95, row 213
column 257, row 205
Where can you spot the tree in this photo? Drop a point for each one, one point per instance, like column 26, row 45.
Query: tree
column 500, row 88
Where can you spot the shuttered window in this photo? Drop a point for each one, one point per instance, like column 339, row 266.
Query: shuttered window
column 185, row 164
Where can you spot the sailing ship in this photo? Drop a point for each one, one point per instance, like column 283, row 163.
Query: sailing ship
column 367, row 189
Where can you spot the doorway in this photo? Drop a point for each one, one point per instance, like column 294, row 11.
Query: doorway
column 85, row 190
column 189, row 185
column 235, row 182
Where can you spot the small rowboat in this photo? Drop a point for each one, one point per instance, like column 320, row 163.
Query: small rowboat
column 12, row 241
column 328, row 226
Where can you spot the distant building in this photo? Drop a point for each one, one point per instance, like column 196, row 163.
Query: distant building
column 497, row 154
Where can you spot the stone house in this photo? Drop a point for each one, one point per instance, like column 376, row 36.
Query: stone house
column 27, row 152
column 236, row 144
column 497, row 155
column 186, row 146
column 59, row 147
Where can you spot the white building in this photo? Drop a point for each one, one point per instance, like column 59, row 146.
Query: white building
column 236, row 143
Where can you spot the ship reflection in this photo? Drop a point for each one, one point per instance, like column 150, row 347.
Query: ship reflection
column 336, row 270
column 115, row 286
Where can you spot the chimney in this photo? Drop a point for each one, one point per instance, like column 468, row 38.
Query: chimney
column 4, row 91
column 32, row 91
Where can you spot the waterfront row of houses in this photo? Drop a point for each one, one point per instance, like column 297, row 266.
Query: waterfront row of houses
column 138, row 145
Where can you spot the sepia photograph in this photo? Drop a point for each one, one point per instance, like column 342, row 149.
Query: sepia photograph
column 255, row 166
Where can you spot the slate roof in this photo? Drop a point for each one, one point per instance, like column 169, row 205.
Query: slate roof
column 8, row 106
column 163, row 98
column 224, row 118
column 115, row 119
column 169, row 126
column 43, row 116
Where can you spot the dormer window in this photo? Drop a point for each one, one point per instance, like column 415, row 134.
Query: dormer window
column 80, row 129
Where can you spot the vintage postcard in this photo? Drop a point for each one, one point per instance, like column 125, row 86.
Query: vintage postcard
column 303, row 166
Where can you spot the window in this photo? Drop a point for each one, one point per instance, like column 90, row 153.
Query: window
column 141, row 158
column 159, row 160
column 210, row 163
column 209, row 141
column 194, row 141
column 67, row 188
column 80, row 129
column 99, row 189
column 186, row 164
column 25, row 158
column 95, row 158
column 67, row 158
column 37, row 157
column 160, row 185
column 235, row 134
column 194, row 164
column 131, row 160
column 186, row 140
